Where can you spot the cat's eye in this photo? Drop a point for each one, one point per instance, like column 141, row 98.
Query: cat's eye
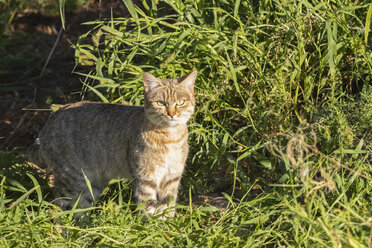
column 161, row 103
column 180, row 102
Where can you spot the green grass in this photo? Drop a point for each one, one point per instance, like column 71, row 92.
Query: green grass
column 283, row 124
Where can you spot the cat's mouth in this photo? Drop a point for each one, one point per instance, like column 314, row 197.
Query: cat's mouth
column 173, row 121
column 168, row 121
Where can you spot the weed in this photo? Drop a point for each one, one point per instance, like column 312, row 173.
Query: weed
column 284, row 95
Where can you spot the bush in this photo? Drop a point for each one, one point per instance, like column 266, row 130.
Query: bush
column 283, row 123
column 282, row 92
column 264, row 68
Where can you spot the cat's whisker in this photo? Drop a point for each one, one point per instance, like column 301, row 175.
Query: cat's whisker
column 156, row 125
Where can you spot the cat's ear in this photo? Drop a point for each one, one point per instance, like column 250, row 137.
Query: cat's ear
column 188, row 80
column 150, row 82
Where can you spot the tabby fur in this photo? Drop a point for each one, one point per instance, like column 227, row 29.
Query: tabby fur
column 103, row 141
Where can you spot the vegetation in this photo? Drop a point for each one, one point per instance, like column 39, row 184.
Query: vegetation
column 283, row 127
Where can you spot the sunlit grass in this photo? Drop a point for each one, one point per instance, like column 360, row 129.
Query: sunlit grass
column 283, row 124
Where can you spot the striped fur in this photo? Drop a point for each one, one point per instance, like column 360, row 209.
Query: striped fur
column 106, row 141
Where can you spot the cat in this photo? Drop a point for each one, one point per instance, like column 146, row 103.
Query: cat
column 102, row 141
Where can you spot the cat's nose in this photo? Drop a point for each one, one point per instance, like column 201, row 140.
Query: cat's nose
column 171, row 111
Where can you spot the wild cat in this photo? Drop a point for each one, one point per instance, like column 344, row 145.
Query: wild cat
column 105, row 141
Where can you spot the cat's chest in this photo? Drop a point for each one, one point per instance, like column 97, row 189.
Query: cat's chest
column 174, row 157
column 170, row 166
column 172, row 162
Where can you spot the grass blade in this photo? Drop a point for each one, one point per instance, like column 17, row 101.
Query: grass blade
column 88, row 184
column 367, row 26
column 132, row 10
column 38, row 190
column 23, row 197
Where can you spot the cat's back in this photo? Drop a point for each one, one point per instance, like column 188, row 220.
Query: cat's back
column 90, row 135
column 85, row 125
column 86, row 110
column 85, row 116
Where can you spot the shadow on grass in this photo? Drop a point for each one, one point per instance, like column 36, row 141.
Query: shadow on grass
column 17, row 174
column 18, row 177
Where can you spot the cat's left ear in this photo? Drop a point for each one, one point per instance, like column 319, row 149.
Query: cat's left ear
column 188, row 80
column 150, row 82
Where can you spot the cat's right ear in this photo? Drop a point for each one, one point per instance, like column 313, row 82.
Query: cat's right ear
column 150, row 82
column 188, row 80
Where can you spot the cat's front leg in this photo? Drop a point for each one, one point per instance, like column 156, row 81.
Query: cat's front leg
column 168, row 192
column 145, row 191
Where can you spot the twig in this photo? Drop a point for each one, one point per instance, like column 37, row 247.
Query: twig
column 51, row 52
column 27, row 109
column 344, row 166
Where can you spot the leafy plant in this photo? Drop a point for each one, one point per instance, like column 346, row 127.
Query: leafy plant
column 283, row 124
column 263, row 67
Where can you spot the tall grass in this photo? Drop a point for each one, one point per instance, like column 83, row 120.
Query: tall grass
column 283, row 124
column 264, row 68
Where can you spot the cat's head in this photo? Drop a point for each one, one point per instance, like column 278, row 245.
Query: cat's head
column 169, row 102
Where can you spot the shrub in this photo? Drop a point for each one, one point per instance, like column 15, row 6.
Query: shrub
column 264, row 68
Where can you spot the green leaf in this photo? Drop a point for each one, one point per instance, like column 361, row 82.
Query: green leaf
column 262, row 160
column 88, row 184
column 367, row 26
column 23, row 197
column 112, row 31
column 332, row 48
column 38, row 189
column 132, row 10
column 209, row 209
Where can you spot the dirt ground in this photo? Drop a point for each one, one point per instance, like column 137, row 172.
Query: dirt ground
column 26, row 96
